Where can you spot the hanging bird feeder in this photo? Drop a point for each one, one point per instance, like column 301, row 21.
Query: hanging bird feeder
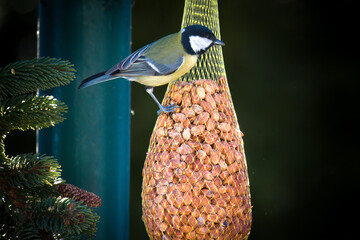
column 195, row 180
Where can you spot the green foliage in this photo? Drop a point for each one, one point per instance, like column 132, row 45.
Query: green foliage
column 29, row 231
column 64, row 216
column 28, row 76
column 20, row 108
column 32, row 170
column 30, row 205
column 29, row 111
column 7, row 222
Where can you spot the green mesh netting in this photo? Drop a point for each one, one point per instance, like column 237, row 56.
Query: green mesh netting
column 195, row 180
column 211, row 64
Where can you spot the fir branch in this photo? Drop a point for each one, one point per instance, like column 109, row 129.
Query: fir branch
column 40, row 192
column 28, row 76
column 64, row 216
column 28, row 231
column 30, row 171
column 30, row 204
column 26, row 112
column 7, row 223
column 2, row 151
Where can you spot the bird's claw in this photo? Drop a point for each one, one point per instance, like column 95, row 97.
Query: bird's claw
column 168, row 108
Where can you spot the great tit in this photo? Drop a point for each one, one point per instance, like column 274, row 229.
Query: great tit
column 162, row 61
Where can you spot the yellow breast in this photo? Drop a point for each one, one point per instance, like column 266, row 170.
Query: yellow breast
column 154, row 81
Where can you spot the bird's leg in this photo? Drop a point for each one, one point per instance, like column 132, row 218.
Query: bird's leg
column 169, row 108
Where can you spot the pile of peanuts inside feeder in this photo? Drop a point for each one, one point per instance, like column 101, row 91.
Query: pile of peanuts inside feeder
column 195, row 181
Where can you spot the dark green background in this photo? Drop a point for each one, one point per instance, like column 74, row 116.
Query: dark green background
column 293, row 70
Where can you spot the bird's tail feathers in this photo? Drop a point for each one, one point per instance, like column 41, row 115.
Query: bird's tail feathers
column 97, row 78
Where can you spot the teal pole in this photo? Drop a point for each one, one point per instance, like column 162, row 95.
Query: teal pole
column 93, row 143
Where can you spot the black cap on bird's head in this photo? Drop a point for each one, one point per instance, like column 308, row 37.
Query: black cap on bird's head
column 196, row 39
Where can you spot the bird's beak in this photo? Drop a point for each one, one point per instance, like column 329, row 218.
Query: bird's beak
column 218, row 42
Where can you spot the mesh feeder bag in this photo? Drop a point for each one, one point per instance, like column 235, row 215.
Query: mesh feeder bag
column 195, row 180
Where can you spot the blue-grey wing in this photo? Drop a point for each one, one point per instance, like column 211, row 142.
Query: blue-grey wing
column 144, row 66
column 164, row 69
column 128, row 61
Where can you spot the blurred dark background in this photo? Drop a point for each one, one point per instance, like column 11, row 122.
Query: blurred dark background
column 293, row 71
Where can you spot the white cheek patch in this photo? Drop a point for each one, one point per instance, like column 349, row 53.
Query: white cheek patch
column 198, row 43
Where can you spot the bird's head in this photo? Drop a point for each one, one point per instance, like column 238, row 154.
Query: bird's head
column 196, row 39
